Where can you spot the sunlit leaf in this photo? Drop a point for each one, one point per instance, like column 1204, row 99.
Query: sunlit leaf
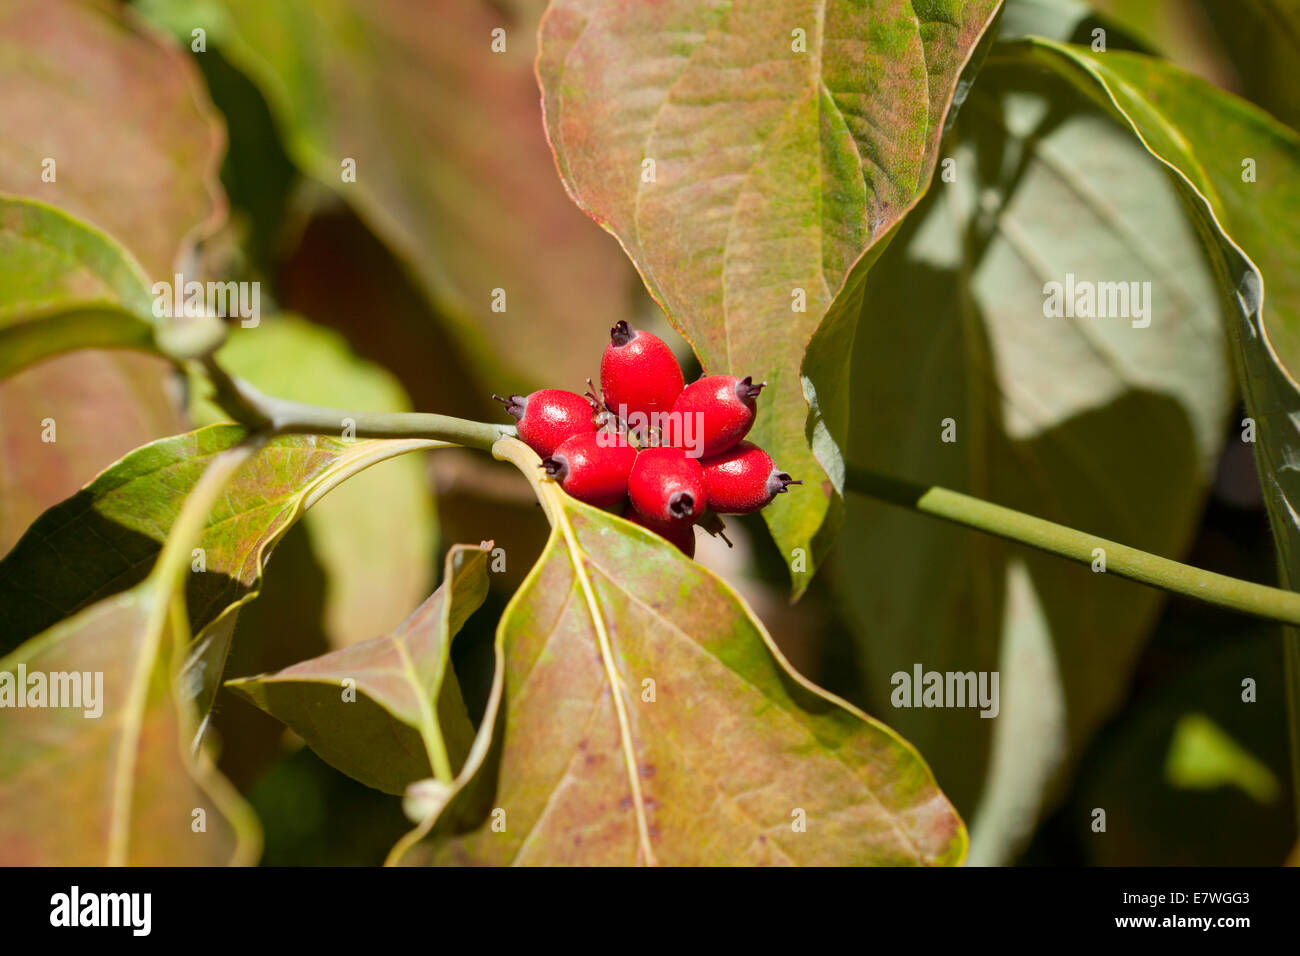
column 64, row 285
column 751, row 157
column 104, row 539
column 1202, row 756
column 387, row 711
column 646, row 716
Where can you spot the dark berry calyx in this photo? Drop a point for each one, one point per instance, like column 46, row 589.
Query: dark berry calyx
column 557, row 467
column 746, row 389
column 621, row 334
column 681, row 505
column 516, row 405
column 779, row 481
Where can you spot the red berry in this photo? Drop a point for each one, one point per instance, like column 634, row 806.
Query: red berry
column 667, row 486
column 681, row 536
column 639, row 373
column 743, row 479
column 593, row 469
column 548, row 417
column 714, row 413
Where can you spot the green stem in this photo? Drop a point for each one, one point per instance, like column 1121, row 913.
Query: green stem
column 266, row 413
column 1233, row 594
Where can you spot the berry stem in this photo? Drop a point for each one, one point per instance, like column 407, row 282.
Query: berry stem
column 261, row 412
column 1123, row 561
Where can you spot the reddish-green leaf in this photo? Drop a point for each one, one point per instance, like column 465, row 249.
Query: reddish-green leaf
column 646, row 716
column 68, row 417
column 751, row 157
column 105, row 538
column 104, row 772
column 134, row 148
column 451, row 164
column 122, row 114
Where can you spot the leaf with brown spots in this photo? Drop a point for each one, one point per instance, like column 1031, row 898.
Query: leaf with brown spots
column 645, row 716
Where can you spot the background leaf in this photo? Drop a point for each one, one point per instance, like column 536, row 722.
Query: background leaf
column 1091, row 422
column 136, row 148
column 1189, row 755
column 1248, row 47
column 134, row 140
column 718, row 767
column 786, row 140
column 408, row 712
column 452, row 165
column 64, row 285
column 1222, row 191
column 375, row 536
column 102, row 404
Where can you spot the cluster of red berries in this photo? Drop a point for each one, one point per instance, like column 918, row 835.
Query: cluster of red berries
column 674, row 452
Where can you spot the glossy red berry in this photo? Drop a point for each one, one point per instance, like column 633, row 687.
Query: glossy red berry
column 743, row 479
column 548, row 417
column 667, row 486
column 714, row 413
column 681, row 536
column 639, row 373
column 593, row 468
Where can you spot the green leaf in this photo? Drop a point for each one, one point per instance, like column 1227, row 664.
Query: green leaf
column 1244, row 200
column 118, row 783
column 452, row 166
column 1055, row 416
column 64, row 285
column 646, row 716
column 405, row 719
column 375, row 535
column 1202, row 756
column 787, row 139
column 104, row 539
